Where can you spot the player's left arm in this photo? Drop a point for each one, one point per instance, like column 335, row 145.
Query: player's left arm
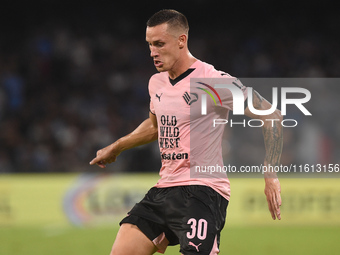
column 272, row 134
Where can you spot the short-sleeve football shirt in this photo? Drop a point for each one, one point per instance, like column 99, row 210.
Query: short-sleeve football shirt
column 187, row 138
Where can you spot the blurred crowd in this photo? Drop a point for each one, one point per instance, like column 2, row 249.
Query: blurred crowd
column 67, row 91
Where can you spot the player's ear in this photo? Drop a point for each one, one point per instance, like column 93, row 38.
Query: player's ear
column 182, row 40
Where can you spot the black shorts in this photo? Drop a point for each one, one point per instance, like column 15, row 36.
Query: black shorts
column 192, row 216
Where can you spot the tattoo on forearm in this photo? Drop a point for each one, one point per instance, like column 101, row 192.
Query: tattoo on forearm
column 273, row 143
column 272, row 135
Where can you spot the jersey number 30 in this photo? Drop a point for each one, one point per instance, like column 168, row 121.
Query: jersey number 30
column 198, row 228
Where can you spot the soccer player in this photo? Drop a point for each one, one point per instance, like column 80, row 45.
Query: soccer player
column 181, row 209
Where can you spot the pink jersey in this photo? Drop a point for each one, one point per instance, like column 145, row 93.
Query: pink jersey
column 187, row 139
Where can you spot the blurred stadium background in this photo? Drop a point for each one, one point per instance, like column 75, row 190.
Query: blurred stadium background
column 73, row 78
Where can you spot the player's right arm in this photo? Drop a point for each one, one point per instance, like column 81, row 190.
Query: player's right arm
column 145, row 133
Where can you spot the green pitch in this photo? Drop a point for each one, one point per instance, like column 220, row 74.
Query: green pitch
column 55, row 240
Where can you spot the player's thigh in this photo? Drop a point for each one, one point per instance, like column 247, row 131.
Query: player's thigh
column 130, row 240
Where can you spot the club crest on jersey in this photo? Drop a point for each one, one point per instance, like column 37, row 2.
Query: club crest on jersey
column 189, row 99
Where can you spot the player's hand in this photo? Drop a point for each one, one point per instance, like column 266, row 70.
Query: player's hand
column 273, row 194
column 105, row 156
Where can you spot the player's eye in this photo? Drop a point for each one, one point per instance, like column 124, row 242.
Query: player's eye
column 156, row 44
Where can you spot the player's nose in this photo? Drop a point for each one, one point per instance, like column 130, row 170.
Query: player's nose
column 153, row 52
